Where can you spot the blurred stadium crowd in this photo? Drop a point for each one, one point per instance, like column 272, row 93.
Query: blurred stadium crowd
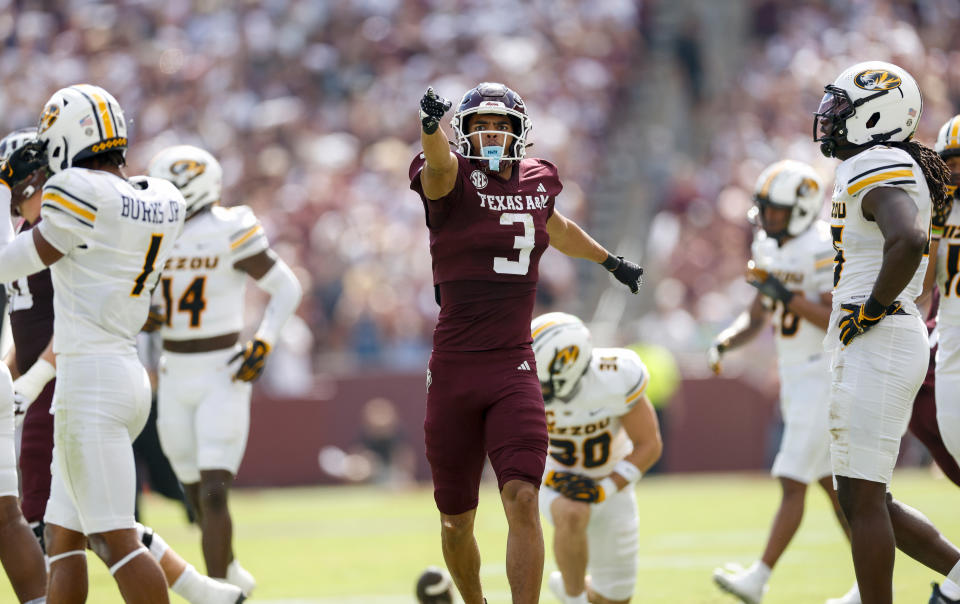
column 701, row 235
column 310, row 108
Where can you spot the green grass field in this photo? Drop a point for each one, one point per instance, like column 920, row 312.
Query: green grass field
column 360, row 545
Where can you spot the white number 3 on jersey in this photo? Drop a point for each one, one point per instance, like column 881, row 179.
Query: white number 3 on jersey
column 524, row 243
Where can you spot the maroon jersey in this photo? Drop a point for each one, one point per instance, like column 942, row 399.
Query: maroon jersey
column 486, row 239
column 31, row 321
column 31, row 314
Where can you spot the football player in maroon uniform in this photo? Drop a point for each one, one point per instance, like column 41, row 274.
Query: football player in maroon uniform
column 490, row 213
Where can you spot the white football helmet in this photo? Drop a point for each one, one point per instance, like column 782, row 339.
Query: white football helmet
column 948, row 140
column 562, row 346
column 15, row 140
column 194, row 171
column 81, row 121
column 871, row 102
column 789, row 184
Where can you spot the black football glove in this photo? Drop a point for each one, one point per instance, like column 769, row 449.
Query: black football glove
column 23, row 162
column 941, row 212
column 432, row 108
column 625, row 272
column 714, row 356
column 254, row 357
column 575, row 486
column 861, row 317
column 768, row 285
column 155, row 319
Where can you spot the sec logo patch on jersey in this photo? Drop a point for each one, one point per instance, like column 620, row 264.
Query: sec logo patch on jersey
column 479, row 179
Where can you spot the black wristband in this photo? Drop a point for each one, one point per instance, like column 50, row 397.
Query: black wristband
column 873, row 309
column 612, row 262
column 430, row 124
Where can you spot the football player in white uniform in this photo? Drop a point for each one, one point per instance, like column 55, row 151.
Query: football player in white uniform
column 30, row 300
column 945, row 248
column 792, row 268
column 203, row 398
column 603, row 435
column 104, row 236
column 881, row 219
column 20, row 553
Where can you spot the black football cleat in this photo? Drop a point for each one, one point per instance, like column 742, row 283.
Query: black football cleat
column 938, row 598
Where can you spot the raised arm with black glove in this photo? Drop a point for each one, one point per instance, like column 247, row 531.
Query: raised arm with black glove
column 625, row 272
column 432, row 108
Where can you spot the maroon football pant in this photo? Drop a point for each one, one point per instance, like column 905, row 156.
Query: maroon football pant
column 923, row 425
column 36, row 453
column 479, row 404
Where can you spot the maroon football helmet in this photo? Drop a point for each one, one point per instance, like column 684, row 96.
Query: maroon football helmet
column 492, row 97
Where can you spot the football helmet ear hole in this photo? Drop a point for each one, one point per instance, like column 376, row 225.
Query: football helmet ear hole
column 873, row 119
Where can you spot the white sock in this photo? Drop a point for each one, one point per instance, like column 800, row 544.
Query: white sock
column 189, row 585
column 581, row 599
column 954, row 574
column 950, row 589
column 760, row 569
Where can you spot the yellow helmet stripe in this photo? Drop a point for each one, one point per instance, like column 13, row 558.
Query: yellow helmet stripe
column 541, row 328
column 58, row 200
column 856, row 188
column 104, row 114
column 765, row 190
column 954, row 140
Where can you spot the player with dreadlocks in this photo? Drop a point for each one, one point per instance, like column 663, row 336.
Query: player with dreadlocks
column 887, row 186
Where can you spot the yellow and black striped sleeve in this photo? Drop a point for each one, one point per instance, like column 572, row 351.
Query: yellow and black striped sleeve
column 637, row 389
column 60, row 200
column 247, row 240
column 889, row 175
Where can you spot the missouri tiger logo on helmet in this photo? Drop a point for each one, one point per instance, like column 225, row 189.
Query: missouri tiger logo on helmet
column 877, row 79
column 79, row 122
column 50, row 115
column 194, row 171
column 562, row 347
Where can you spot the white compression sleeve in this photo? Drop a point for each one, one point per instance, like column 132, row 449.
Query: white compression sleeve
column 31, row 384
column 19, row 258
column 285, row 294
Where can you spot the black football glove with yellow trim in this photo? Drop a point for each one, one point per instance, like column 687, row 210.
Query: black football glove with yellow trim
column 575, row 486
column 156, row 318
column 768, row 285
column 23, row 162
column 254, row 358
column 861, row 317
column 940, row 213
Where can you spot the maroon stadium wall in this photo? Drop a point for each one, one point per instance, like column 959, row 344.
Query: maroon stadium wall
column 711, row 425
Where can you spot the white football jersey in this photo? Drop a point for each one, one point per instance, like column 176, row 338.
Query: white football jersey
column 585, row 433
column 948, row 267
column 115, row 235
column 804, row 264
column 200, row 290
column 858, row 242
